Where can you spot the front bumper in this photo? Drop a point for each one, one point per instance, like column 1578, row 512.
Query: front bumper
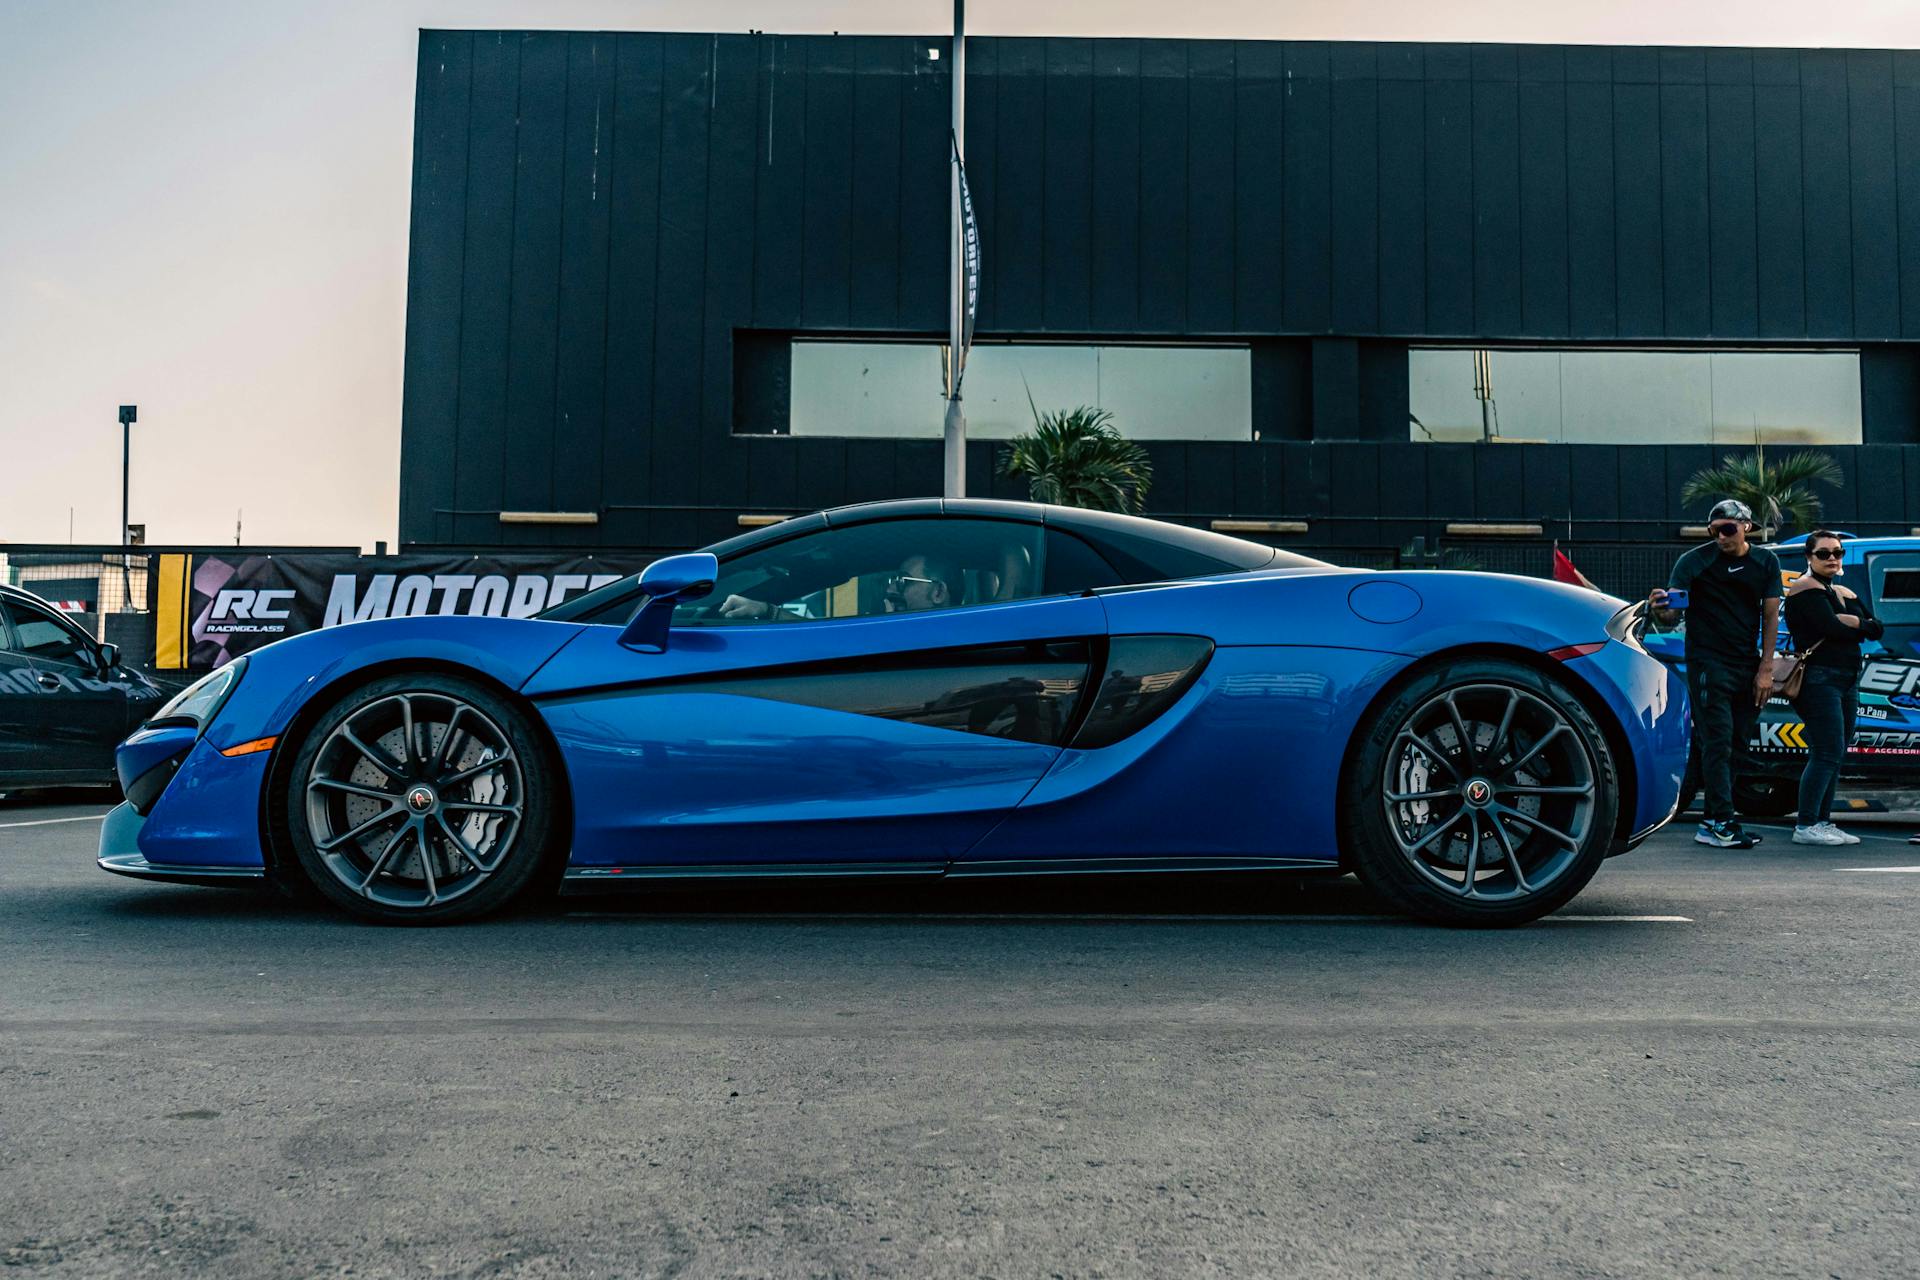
column 120, row 854
column 1649, row 703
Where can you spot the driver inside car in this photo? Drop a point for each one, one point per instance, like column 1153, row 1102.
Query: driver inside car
column 922, row 582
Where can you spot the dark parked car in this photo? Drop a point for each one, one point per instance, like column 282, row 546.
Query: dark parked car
column 65, row 699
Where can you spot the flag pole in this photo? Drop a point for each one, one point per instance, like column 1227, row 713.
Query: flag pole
column 955, row 429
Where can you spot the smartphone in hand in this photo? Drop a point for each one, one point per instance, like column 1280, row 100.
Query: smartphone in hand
column 1676, row 598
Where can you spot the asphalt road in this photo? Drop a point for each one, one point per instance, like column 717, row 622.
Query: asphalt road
column 1710, row 1065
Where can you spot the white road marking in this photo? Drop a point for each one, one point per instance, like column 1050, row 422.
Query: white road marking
column 1855, row 831
column 1037, row 916
column 1896, row 870
column 47, row 822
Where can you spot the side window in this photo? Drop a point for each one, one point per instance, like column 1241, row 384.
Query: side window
column 1894, row 577
column 887, row 566
column 1148, row 560
column 45, row 638
column 1073, row 566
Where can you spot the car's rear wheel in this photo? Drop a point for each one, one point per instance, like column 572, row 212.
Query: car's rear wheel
column 1759, row 796
column 419, row 798
column 1481, row 793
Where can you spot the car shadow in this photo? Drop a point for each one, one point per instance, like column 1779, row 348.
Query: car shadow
column 1194, row 896
column 1185, row 897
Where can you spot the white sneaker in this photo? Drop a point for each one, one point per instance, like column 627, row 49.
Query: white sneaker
column 1817, row 835
column 1846, row 837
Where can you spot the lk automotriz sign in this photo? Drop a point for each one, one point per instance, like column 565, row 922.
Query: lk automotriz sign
column 211, row 609
column 1889, row 723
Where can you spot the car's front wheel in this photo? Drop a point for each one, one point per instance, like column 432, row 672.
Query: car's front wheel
column 419, row 798
column 1481, row 793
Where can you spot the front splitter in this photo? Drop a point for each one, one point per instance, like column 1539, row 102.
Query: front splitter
column 120, row 854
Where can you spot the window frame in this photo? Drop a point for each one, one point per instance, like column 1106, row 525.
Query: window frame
column 85, row 642
column 788, row 341
column 1419, row 432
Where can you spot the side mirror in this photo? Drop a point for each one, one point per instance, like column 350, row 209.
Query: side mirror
column 109, row 656
column 664, row 584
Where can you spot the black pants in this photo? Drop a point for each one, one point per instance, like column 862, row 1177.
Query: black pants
column 1721, row 695
column 1829, row 703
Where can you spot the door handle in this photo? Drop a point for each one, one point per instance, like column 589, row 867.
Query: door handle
column 48, row 681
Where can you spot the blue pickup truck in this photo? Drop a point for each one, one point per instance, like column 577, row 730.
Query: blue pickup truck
column 1885, row 750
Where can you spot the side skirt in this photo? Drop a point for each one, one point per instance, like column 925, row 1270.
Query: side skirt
column 610, row 879
column 1125, row 866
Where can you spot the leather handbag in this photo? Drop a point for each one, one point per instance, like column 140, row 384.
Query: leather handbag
column 1790, row 672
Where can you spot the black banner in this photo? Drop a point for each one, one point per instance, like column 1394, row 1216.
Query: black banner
column 238, row 604
column 970, row 265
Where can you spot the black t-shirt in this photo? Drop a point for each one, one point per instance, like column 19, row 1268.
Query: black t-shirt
column 1723, row 606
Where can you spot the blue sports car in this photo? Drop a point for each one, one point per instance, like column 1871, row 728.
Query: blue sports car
column 930, row 688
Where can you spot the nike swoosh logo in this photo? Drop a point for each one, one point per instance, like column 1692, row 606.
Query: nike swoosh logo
column 1735, row 568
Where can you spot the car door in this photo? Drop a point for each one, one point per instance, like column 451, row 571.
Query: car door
column 872, row 696
column 80, row 716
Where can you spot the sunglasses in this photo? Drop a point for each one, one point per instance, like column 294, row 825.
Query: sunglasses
column 1827, row 553
column 1726, row 530
column 898, row 580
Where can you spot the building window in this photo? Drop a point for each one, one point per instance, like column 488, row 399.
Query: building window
column 896, row 389
column 1637, row 397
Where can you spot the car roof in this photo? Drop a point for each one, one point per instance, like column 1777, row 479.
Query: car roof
column 1892, row 542
column 1242, row 554
column 1078, row 519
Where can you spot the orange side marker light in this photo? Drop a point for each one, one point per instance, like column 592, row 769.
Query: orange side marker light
column 249, row 748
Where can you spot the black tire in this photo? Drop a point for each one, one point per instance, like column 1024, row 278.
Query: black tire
column 1766, row 797
column 1533, row 830
column 465, row 787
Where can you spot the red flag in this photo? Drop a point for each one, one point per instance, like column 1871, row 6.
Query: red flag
column 1563, row 570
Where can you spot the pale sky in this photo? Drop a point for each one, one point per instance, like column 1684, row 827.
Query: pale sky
column 205, row 210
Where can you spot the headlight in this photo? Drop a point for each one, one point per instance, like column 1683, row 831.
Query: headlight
column 201, row 701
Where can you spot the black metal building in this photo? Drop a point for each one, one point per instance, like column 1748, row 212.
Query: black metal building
column 616, row 239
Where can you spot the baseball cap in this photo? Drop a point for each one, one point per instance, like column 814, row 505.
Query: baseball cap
column 1730, row 509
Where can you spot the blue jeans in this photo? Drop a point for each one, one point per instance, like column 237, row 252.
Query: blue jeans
column 1829, row 703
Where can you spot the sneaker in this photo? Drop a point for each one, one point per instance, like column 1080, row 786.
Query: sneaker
column 1846, row 837
column 1819, row 834
column 1724, row 834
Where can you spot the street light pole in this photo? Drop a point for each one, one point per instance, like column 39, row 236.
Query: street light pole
column 129, row 413
column 955, row 431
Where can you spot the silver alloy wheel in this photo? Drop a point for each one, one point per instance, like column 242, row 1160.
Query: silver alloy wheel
column 414, row 799
column 1489, row 791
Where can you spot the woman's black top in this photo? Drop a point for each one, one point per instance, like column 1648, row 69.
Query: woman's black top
column 1815, row 615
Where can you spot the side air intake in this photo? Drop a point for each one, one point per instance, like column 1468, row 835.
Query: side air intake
column 1145, row 675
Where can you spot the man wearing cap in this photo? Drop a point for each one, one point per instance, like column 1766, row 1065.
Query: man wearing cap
column 1733, row 593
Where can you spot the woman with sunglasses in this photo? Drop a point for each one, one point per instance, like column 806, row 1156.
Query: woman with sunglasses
column 1828, row 623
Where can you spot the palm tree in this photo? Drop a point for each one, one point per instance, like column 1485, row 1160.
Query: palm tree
column 1078, row 458
column 1780, row 494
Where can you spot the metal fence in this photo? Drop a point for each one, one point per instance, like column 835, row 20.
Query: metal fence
column 1625, row 569
column 86, row 583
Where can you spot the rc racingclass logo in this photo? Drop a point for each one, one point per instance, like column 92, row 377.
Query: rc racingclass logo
column 245, row 611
